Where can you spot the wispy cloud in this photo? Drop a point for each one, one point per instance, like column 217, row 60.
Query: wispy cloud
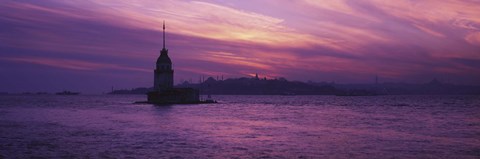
column 73, row 64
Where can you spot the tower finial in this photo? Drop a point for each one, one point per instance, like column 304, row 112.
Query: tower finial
column 164, row 34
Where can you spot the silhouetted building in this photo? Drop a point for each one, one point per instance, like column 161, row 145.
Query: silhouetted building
column 163, row 74
column 163, row 82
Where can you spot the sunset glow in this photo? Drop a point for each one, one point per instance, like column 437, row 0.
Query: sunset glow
column 346, row 41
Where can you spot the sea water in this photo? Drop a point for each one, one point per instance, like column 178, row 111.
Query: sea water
column 111, row 126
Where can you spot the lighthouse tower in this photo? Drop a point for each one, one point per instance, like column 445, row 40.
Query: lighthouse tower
column 163, row 92
column 163, row 74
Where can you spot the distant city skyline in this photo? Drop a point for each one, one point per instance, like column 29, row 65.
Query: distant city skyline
column 92, row 45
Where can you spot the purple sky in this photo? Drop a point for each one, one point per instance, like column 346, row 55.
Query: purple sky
column 92, row 45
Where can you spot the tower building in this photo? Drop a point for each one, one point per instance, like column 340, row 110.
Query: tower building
column 163, row 74
column 163, row 90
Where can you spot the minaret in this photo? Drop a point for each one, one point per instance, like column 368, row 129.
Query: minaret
column 163, row 74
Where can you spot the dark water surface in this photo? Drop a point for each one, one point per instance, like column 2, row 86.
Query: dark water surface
column 101, row 126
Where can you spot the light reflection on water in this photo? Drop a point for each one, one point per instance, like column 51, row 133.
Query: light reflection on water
column 241, row 126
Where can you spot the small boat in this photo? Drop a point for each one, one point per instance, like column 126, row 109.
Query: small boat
column 67, row 93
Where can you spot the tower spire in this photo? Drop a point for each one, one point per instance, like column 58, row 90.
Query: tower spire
column 164, row 34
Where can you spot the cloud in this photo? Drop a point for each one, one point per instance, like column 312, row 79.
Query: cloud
column 201, row 19
column 452, row 19
column 73, row 64
column 431, row 10
column 430, row 31
column 342, row 7
column 473, row 38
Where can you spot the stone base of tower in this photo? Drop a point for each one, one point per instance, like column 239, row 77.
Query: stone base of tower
column 175, row 96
